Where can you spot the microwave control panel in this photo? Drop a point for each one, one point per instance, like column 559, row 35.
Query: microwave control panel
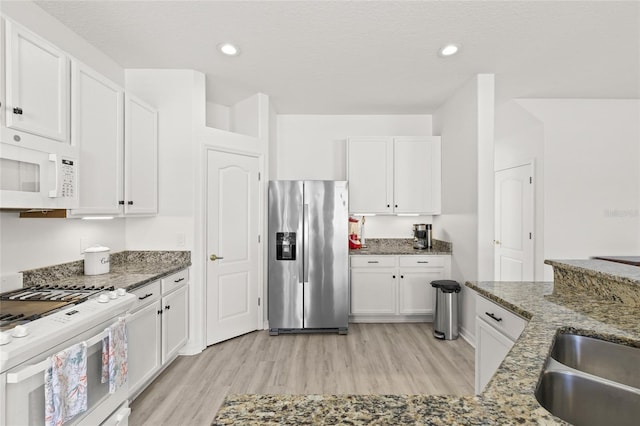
column 68, row 178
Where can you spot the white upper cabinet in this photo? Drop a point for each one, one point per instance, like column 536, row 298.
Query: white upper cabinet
column 141, row 157
column 37, row 86
column 97, row 118
column 394, row 175
column 370, row 175
column 416, row 175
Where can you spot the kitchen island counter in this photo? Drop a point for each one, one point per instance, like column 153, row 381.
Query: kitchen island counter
column 128, row 270
column 507, row 399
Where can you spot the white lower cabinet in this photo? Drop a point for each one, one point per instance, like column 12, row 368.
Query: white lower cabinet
column 497, row 329
column 144, row 327
column 174, row 322
column 157, row 328
column 395, row 288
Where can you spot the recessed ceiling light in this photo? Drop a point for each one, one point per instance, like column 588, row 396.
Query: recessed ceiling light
column 449, row 50
column 228, row 49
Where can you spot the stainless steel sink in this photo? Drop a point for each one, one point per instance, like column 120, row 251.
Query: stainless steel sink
column 608, row 360
column 589, row 381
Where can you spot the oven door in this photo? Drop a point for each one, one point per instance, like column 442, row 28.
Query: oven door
column 25, row 386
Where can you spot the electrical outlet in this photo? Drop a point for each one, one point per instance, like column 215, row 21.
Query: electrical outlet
column 84, row 244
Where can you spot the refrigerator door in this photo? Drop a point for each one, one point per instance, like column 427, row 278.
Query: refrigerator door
column 285, row 254
column 325, row 239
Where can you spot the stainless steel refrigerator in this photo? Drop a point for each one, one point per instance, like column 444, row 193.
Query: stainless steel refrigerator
column 308, row 256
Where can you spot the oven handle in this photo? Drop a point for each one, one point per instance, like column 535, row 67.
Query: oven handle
column 29, row 371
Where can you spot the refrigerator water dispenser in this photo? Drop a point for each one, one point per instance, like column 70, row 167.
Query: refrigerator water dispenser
column 285, row 246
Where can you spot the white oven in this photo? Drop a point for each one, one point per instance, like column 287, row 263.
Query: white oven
column 35, row 179
column 22, row 381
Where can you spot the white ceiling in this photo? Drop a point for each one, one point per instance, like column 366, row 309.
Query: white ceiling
column 372, row 57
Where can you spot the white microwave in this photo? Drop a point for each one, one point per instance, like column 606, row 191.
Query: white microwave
column 37, row 179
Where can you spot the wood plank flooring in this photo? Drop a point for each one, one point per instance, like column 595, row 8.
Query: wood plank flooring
column 371, row 359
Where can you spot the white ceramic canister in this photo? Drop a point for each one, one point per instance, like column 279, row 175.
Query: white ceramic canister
column 96, row 260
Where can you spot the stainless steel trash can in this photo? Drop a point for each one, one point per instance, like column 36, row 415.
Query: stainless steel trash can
column 445, row 324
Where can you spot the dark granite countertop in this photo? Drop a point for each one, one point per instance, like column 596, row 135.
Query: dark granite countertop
column 129, row 270
column 507, row 399
column 400, row 246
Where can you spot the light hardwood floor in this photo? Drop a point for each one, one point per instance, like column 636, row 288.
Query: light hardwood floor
column 371, row 359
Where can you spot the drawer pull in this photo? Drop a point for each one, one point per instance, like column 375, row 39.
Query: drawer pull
column 492, row 316
column 145, row 296
column 423, row 261
column 372, row 261
column 178, row 280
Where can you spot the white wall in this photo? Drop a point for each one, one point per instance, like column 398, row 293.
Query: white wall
column 466, row 129
column 314, row 147
column 35, row 243
column 218, row 116
column 26, row 13
column 591, row 176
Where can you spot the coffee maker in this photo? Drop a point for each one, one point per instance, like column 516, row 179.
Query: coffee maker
column 422, row 236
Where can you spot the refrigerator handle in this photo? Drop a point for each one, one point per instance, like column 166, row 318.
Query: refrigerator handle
column 305, row 240
column 300, row 250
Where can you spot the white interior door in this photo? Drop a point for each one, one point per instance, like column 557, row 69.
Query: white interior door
column 232, row 243
column 514, row 224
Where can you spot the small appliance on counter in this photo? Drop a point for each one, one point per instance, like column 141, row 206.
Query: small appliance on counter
column 96, row 260
column 354, row 233
column 422, row 236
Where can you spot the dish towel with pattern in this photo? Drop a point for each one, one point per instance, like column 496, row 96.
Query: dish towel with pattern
column 114, row 355
column 65, row 385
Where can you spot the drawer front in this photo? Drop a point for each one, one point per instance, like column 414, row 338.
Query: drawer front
column 421, row 261
column 175, row 281
column 373, row 261
column 500, row 318
column 146, row 294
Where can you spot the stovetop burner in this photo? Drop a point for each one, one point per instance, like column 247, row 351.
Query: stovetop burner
column 54, row 292
column 21, row 306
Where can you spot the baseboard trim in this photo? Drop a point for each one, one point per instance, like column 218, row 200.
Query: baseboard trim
column 465, row 335
column 390, row 318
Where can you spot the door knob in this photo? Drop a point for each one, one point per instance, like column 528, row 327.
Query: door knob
column 496, row 242
column 213, row 257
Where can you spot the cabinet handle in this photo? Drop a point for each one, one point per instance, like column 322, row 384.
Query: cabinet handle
column 396, row 206
column 121, row 203
column 402, row 276
column 178, row 280
column 17, row 111
column 130, row 203
column 423, row 261
column 167, row 307
column 145, row 296
column 492, row 316
column 372, row 261
column 388, row 205
column 394, row 276
column 160, row 312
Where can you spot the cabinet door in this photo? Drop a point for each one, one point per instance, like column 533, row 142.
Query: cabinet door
column 174, row 323
column 37, row 86
column 370, row 175
column 416, row 182
column 97, row 118
column 141, row 158
column 144, row 359
column 491, row 348
column 373, row 292
column 415, row 292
